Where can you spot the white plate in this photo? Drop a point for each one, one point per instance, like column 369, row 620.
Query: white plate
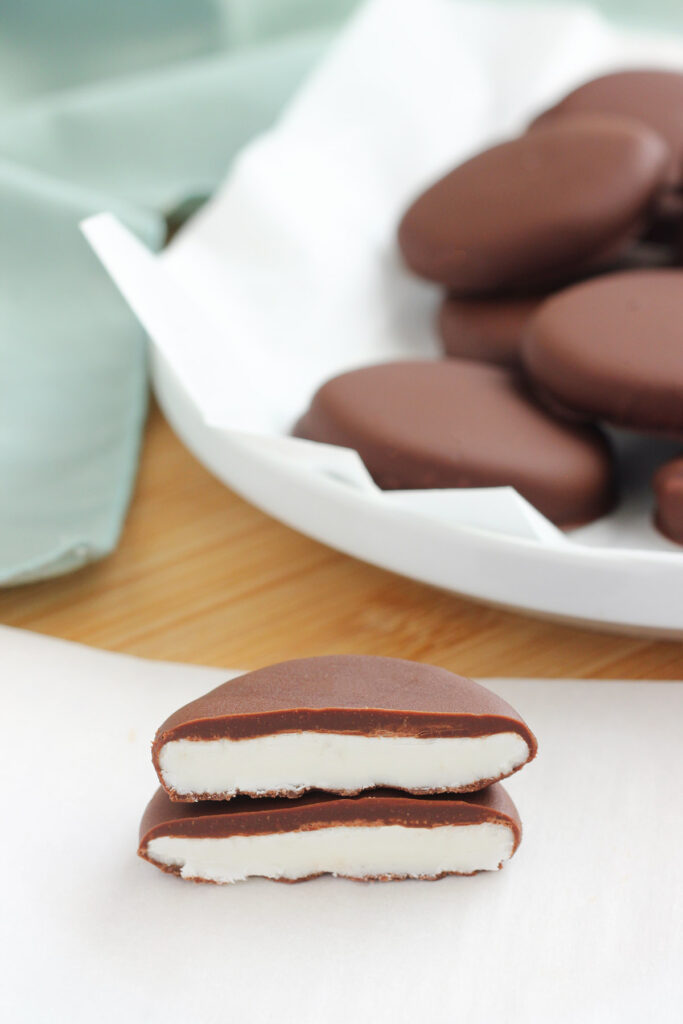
column 291, row 275
column 613, row 587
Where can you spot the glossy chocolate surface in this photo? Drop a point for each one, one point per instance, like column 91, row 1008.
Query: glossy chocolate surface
column 668, row 488
column 346, row 693
column 652, row 96
column 489, row 330
column 612, row 349
column 246, row 817
column 537, row 207
column 457, row 423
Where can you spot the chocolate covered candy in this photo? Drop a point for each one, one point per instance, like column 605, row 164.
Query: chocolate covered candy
column 342, row 723
column 486, row 329
column 382, row 835
column 457, row 423
column 612, row 349
column 668, row 488
column 654, row 97
column 491, row 328
column 536, row 208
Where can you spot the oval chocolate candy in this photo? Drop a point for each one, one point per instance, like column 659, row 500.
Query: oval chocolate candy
column 536, row 208
column 380, row 836
column 486, row 329
column 491, row 328
column 342, row 723
column 652, row 96
column 457, row 423
column 612, row 349
column 668, row 487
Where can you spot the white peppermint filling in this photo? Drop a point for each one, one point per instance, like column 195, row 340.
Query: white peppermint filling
column 292, row 762
column 358, row 851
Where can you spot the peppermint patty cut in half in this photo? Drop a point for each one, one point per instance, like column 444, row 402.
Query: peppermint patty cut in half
column 342, row 724
column 379, row 836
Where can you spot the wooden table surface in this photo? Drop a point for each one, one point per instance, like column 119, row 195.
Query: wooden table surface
column 201, row 576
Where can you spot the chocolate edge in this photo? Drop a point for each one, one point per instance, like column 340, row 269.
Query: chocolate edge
column 161, row 815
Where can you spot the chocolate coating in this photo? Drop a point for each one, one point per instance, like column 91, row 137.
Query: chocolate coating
column 537, row 207
column 344, row 693
column 654, row 97
column 612, row 349
column 668, row 488
column 458, row 423
column 489, row 330
column 246, row 817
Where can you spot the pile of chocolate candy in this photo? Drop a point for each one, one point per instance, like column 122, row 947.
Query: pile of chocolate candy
column 560, row 252
column 362, row 767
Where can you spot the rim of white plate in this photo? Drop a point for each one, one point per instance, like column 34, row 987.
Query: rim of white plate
column 620, row 590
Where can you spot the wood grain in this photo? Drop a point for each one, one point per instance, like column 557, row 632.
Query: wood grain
column 201, row 576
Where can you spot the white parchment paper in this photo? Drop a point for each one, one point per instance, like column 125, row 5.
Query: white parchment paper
column 584, row 924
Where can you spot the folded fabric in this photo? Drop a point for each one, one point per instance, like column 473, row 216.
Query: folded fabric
column 178, row 94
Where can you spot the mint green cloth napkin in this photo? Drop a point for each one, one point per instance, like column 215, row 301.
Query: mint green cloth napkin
column 135, row 107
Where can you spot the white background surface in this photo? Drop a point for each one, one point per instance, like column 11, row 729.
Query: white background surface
column 583, row 925
column 291, row 274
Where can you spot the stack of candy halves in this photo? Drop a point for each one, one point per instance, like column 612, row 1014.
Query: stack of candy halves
column 560, row 254
column 362, row 767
